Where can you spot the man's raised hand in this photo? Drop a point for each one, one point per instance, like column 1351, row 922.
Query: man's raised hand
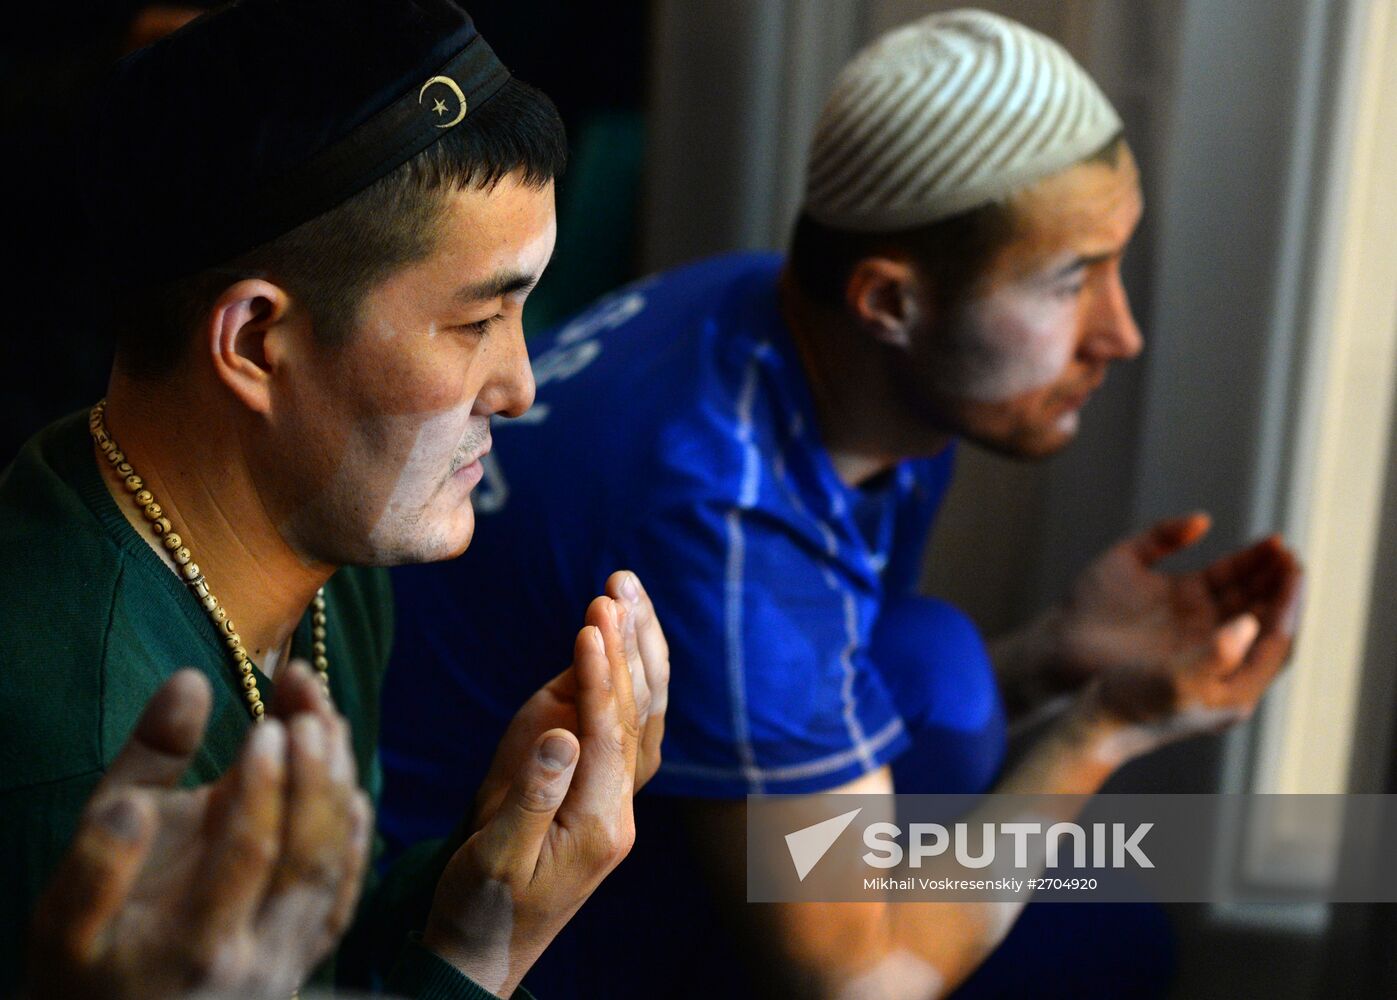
column 242, row 885
column 1212, row 684
column 555, row 705
column 1123, row 612
column 554, row 815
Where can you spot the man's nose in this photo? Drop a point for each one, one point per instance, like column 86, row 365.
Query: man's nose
column 1112, row 333
column 510, row 389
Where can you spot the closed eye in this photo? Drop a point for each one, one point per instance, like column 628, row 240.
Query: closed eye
column 481, row 327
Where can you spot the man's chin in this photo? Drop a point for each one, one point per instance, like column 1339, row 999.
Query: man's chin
column 1033, row 444
column 1064, row 430
column 458, row 539
column 426, row 543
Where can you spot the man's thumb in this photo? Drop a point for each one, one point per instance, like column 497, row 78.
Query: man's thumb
column 161, row 747
column 534, row 796
column 1233, row 638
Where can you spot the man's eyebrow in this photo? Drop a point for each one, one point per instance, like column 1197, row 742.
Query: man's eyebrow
column 502, row 283
column 496, row 286
column 1079, row 262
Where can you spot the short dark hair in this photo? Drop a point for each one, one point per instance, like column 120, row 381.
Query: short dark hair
column 331, row 261
column 953, row 252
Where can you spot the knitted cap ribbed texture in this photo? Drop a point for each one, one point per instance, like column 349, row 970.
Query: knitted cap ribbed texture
column 946, row 114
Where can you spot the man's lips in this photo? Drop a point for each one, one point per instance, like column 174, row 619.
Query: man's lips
column 1076, row 400
column 473, row 461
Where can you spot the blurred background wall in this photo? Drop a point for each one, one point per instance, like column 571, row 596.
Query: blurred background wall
column 1264, row 276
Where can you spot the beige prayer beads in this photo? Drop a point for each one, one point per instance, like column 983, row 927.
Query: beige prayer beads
column 190, row 573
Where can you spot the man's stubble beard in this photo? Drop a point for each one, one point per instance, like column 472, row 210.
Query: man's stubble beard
column 334, row 529
column 936, row 411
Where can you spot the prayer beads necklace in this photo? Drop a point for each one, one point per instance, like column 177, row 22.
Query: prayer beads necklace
column 188, row 569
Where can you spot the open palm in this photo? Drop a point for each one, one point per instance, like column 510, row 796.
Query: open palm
column 1123, row 612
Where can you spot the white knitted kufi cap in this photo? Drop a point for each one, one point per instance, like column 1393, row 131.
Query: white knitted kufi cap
column 946, row 114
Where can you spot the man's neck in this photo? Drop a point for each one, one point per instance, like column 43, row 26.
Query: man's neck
column 188, row 453
column 854, row 402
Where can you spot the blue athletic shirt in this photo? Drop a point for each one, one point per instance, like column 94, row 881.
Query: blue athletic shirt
column 674, row 434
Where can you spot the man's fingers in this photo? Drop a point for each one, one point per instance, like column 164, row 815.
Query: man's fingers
column 1255, row 593
column 621, row 588
column 1166, row 537
column 355, row 862
column 648, row 758
column 1245, row 567
column 242, row 833
column 94, row 878
column 1233, row 640
column 320, row 789
column 316, row 820
column 654, row 654
column 318, row 852
column 605, row 714
column 160, row 748
column 1249, row 681
column 1271, row 649
column 300, row 689
column 509, row 844
column 603, row 682
column 617, row 640
column 1221, row 654
column 650, row 636
column 1278, row 602
column 1274, row 600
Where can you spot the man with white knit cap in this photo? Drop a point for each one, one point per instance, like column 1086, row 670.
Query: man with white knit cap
column 766, row 440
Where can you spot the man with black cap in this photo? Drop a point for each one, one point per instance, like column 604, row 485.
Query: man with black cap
column 317, row 223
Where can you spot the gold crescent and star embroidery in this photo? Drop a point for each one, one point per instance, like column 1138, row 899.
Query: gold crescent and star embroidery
column 439, row 106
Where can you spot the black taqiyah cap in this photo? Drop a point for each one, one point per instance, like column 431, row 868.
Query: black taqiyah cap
column 263, row 114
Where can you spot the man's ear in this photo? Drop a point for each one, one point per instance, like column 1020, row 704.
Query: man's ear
column 241, row 334
column 885, row 297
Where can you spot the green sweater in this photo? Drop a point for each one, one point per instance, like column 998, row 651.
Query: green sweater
column 91, row 623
